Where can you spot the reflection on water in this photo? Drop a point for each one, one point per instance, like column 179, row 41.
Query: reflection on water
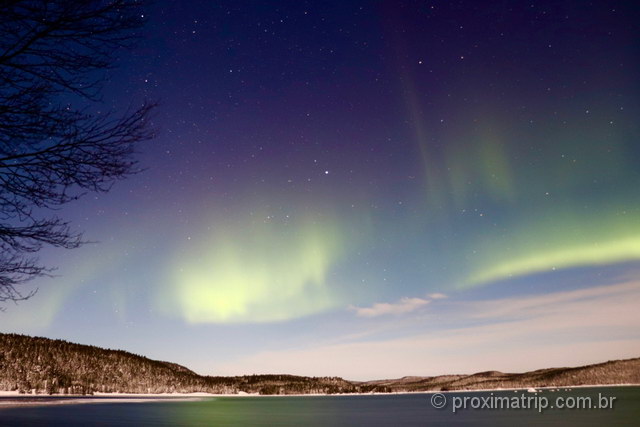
column 380, row 410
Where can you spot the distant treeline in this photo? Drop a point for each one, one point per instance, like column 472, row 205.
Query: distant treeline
column 613, row 372
column 46, row 366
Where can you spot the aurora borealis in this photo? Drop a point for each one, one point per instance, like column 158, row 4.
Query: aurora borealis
column 457, row 171
column 257, row 272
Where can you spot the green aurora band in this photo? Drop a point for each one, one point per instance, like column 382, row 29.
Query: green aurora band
column 546, row 200
column 563, row 241
column 258, row 271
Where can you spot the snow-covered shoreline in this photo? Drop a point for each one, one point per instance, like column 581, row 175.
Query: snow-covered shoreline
column 13, row 398
column 10, row 399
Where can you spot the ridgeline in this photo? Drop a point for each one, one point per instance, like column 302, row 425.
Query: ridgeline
column 46, row 366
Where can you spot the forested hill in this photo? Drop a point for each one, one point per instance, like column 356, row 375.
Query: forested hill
column 49, row 366
column 59, row 367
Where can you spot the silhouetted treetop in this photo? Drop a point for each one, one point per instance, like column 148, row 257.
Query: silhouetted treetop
column 56, row 139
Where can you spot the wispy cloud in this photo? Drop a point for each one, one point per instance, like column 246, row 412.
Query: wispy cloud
column 405, row 305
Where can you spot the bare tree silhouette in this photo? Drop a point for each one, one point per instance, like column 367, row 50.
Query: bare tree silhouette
column 52, row 53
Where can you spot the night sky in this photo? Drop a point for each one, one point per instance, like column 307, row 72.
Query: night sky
column 367, row 189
